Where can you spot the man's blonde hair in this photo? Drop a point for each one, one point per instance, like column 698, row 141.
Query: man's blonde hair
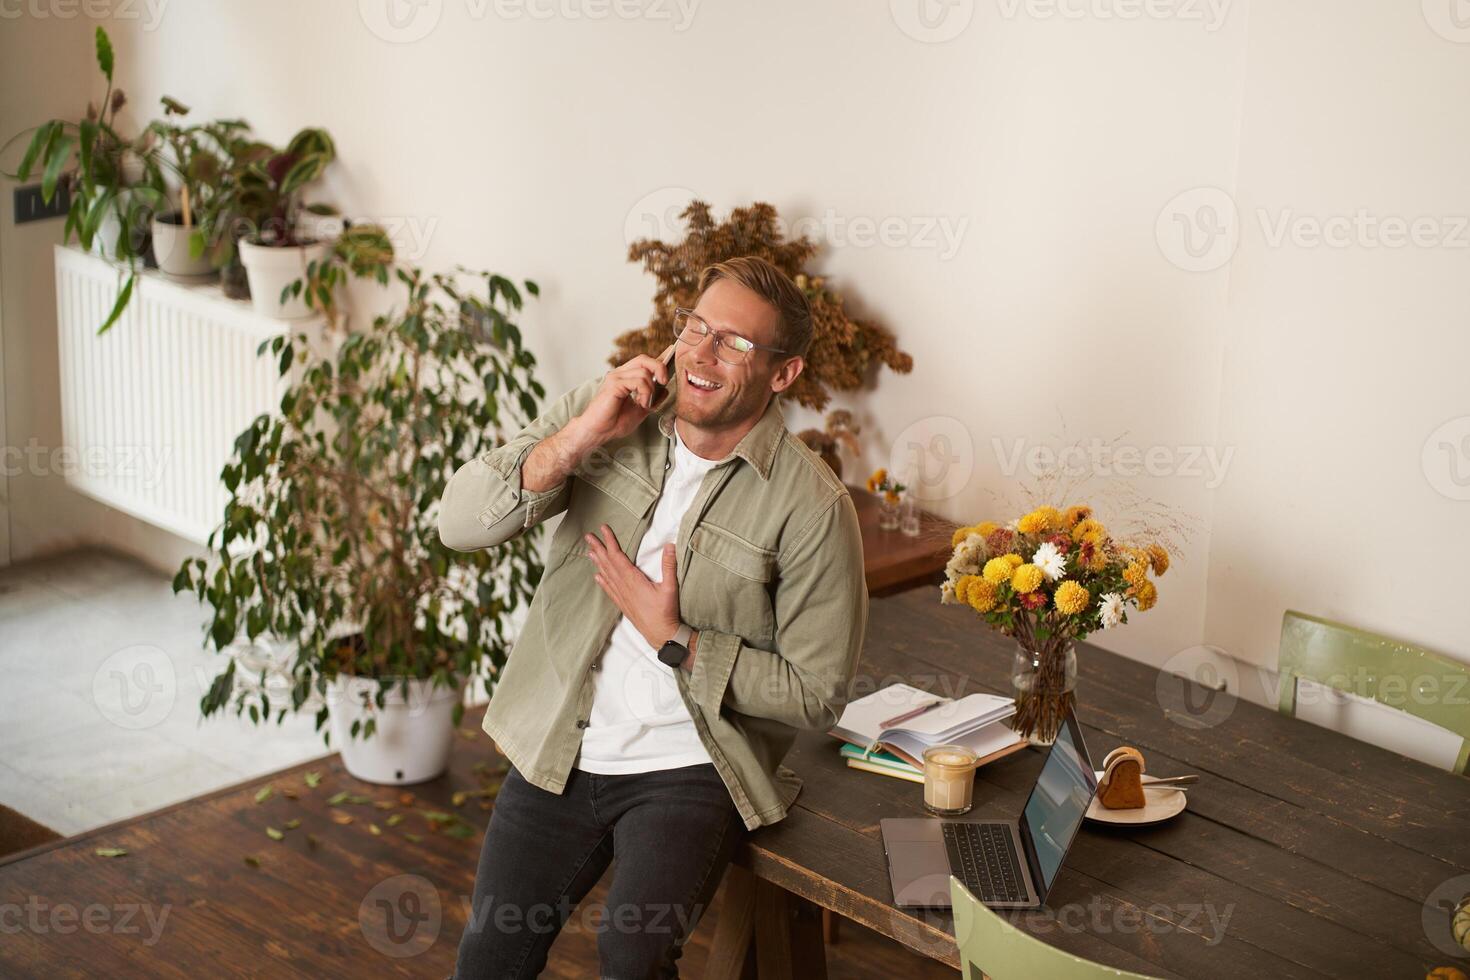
column 794, row 315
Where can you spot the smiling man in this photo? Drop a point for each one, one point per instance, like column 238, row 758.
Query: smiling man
column 703, row 600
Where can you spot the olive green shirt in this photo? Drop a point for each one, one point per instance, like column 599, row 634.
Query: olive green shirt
column 770, row 563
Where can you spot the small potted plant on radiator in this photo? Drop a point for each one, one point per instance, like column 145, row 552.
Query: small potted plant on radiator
column 330, row 543
column 196, row 158
column 257, row 218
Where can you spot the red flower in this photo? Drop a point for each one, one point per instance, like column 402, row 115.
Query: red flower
column 1063, row 543
column 1034, row 600
column 998, row 541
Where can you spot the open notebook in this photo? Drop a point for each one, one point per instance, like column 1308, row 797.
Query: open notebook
column 976, row 721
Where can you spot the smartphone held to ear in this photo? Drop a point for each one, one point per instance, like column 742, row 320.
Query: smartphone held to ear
column 661, row 392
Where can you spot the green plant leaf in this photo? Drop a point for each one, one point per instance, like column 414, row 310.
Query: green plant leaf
column 104, row 54
column 45, row 133
column 111, row 852
column 60, row 156
column 122, row 301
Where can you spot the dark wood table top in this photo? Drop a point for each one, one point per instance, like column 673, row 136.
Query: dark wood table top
column 894, row 561
column 1302, row 852
column 1314, row 852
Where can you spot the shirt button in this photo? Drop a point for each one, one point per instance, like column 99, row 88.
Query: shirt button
column 582, row 723
column 596, row 665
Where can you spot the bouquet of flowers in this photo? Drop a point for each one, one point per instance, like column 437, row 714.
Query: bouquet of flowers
column 1049, row 579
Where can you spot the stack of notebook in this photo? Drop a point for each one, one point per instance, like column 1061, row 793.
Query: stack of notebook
column 887, row 731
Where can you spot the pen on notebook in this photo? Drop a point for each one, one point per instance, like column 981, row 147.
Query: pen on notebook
column 916, row 712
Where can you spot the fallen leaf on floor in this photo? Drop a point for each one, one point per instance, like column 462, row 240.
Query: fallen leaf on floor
column 274, row 834
column 111, row 852
column 264, row 793
column 312, row 778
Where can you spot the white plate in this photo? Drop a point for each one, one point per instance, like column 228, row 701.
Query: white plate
column 1162, row 804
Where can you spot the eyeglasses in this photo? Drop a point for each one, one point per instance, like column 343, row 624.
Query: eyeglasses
column 731, row 348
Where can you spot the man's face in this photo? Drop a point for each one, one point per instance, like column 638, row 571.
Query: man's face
column 744, row 387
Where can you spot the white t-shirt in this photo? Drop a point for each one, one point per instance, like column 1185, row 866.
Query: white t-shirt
column 638, row 722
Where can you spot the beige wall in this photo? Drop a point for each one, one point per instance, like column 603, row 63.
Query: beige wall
column 1027, row 173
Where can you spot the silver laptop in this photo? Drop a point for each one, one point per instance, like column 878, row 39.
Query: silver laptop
column 1007, row 864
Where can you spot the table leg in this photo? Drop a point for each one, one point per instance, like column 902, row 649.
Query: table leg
column 730, row 947
column 788, row 936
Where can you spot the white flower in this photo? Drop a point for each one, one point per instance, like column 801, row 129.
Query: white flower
column 1111, row 609
column 967, row 558
column 946, row 593
column 1050, row 561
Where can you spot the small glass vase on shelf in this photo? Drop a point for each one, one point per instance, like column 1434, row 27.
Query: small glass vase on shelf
column 1044, row 681
column 890, row 496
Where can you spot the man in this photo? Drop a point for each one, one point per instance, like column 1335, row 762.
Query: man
column 703, row 600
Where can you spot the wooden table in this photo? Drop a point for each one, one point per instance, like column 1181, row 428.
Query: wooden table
column 1315, row 852
column 893, row 561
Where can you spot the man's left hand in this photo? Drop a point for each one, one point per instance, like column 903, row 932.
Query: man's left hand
column 652, row 607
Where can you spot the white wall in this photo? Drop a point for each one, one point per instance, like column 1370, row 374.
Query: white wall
column 1047, row 146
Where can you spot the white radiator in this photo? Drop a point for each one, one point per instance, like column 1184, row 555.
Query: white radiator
column 150, row 410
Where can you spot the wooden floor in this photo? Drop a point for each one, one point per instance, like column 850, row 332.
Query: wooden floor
column 858, row 954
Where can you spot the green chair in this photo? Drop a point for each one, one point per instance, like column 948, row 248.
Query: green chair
column 992, row 947
column 1409, row 678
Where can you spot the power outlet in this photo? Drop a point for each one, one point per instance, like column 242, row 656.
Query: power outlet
column 30, row 206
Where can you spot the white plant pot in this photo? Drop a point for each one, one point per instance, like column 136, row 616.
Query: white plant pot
column 412, row 740
column 271, row 270
column 171, row 249
column 104, row 242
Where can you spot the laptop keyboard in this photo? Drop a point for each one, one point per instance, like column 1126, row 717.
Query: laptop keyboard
column 983, row 857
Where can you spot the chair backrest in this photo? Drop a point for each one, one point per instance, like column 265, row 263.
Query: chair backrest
column 1409, row 678
column 992, row 947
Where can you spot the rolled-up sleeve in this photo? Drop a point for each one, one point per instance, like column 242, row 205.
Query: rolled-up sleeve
column 484, row 504
column 821, row 608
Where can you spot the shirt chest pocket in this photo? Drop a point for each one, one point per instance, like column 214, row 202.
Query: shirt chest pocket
column 728, row 585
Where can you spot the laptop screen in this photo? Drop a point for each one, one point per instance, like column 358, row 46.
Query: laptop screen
column 1057, row 803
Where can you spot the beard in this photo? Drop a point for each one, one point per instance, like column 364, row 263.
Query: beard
column 729, row 408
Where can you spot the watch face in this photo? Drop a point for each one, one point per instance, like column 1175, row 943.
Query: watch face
column 672, row 653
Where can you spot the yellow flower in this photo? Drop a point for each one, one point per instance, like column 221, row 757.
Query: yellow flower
column 891, row 496
column 879, row 477
column 1033, row 523
column 1071, row 598
column 1053, row 517
column 1158, row 558
column 1081, row 512
column 997, row 571
column 1147, row 594
column 962, row 587
column 981, row 595
column 1026, row 579
column 1085, row 527
column 1016, row 560
column 1135, row 574
column 986, row 528
column 960, row 534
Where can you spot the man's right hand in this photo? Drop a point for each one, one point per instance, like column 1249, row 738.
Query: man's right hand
column 621, row 403
column 625, row 398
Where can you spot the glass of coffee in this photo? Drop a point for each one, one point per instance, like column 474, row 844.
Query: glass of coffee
column 949, row 779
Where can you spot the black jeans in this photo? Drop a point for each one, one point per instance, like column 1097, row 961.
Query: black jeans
column 673, row 833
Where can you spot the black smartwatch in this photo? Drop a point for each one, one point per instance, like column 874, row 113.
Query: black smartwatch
column 674, row 651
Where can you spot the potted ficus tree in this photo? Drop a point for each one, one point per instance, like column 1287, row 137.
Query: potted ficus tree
column 196, row 157
column 329, row 542
column 114, row 181
column 266, row 206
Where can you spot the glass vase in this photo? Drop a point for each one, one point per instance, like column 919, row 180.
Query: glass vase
column 887, row 514
column 908, row 516
column 1044, row 681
